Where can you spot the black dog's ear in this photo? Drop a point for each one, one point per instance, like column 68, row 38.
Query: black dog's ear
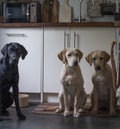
column 23, row 52
column 4, row 50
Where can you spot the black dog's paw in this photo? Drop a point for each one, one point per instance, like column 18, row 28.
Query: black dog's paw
column 21, row 117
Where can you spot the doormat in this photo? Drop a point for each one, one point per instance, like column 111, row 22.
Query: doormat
column 46, row 108
column 50, row 108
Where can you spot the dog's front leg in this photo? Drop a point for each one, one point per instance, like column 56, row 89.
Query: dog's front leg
column 95, row 101
column 15, row 94
column 61, row 102
column 76, row 106
column 0, row 102
column 66, row 102
column 112, row 102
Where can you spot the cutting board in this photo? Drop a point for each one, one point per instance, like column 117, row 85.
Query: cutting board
column 65, row 12
column 54, row 9
column 45, row 15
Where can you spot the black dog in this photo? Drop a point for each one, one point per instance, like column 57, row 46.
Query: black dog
column 9, row 77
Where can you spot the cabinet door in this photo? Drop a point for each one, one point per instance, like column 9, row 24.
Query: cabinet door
column 87, row 40
column 55, row 39
column 30, row 68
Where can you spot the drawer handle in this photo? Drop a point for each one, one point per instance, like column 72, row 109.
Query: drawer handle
column 16, row 35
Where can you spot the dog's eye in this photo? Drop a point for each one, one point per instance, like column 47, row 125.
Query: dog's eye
column 18, row 51
column 11, row 49
column 101, row 58
column 69, row 55
column 77, row 54
column 93, row 59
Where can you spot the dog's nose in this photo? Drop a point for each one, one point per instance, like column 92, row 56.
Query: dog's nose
column 76, row 63
column 98, row 68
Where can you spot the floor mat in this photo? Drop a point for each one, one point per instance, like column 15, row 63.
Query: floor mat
column 49, row 108
column 46, row 108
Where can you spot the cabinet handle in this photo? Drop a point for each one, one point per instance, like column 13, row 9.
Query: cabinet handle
column 66, row 40
column 76, row 40
column 16, row 35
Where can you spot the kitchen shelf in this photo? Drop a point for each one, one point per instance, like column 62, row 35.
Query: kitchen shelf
column 71, row 24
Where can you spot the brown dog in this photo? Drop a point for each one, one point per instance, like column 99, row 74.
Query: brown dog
column 103, row 95
column 72, row 93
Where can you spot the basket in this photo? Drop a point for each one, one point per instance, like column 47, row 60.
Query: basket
column 23, row 100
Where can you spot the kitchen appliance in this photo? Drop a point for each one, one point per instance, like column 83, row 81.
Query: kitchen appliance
column 16, row 12
column 20, row 12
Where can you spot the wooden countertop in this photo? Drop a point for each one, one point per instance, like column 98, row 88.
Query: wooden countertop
column 73, row 24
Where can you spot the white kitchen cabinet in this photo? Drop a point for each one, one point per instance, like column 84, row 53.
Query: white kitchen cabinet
column 87, row 40
column 30, row 69
column 40, row 71
column 55, row 40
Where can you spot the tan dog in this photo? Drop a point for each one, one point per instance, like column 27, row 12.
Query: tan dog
column 72, row 93
column 103, row 95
